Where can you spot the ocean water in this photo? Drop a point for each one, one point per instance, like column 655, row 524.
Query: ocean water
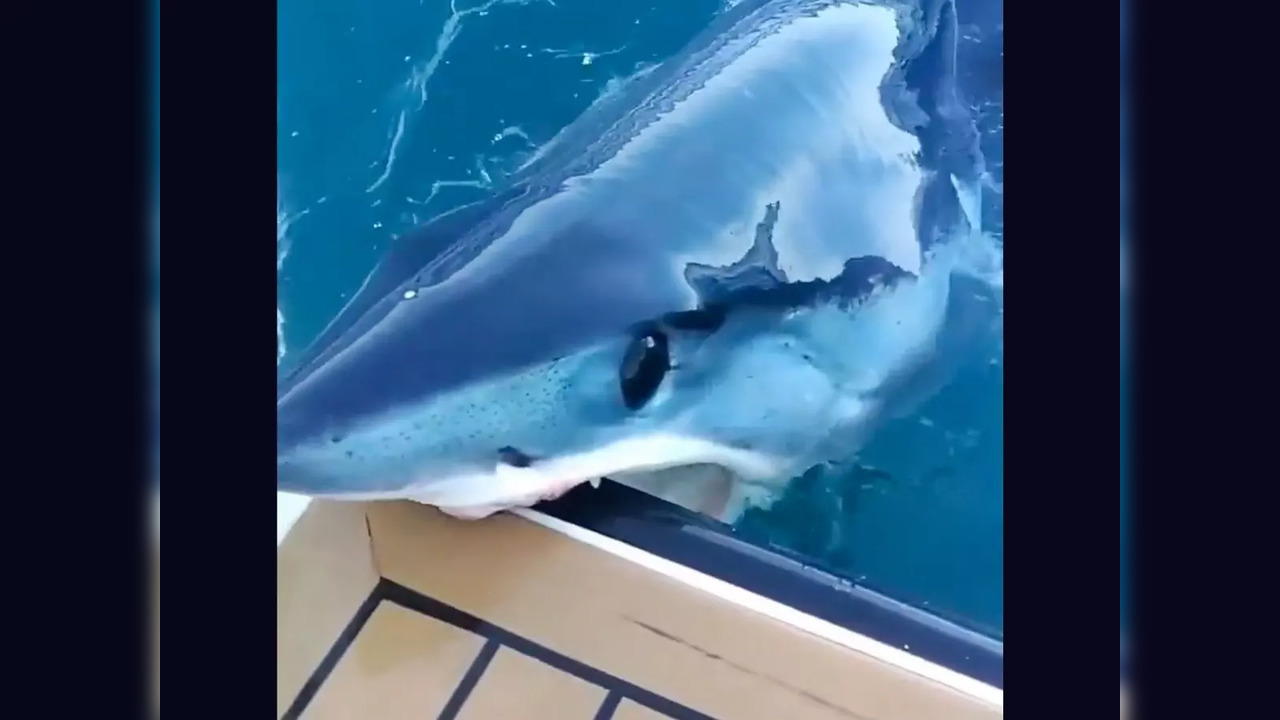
column 393, row 111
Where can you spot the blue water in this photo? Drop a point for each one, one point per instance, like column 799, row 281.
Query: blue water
column 393, row 111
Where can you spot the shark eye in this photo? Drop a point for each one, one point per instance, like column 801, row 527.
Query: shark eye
column 643, row 367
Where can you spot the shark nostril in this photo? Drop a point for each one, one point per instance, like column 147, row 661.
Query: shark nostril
column 508, row 455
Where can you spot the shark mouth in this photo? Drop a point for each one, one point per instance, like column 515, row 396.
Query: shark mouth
column 712, row 476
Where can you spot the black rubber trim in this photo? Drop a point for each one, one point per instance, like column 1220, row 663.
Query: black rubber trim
column 331, row 658
column 413, row 600
column 609, row 706
column 712, row 548
column 496, row 638
column 469, row 681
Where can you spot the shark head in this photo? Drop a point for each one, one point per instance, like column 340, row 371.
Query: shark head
column 721, row 275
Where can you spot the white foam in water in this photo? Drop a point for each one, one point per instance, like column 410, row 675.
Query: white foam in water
column 282, row 249
column 413, row 91
column 283, row 222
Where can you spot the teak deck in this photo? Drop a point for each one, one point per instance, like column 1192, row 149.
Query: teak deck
column 393, row 610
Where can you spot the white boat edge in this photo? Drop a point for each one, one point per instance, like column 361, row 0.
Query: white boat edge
column 289, row 508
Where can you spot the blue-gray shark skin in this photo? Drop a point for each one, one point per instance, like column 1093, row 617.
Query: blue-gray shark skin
column 777, row 215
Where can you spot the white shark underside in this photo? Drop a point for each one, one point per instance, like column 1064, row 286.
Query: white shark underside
column 776, row 220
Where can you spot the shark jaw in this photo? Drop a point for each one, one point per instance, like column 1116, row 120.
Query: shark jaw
column 502, row 324
column 637, row 461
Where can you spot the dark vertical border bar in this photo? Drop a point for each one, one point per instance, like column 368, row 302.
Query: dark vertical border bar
column 609, row 706
column 74, row 269
column 217, row 168
column 1061, row 551
column 327, row 664
column 1204, row 360
column 469, row 681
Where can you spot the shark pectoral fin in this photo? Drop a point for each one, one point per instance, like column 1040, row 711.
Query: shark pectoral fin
column 718, row 493
column 969, row 318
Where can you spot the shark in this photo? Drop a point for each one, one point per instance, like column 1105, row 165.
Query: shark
column 732, row 269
